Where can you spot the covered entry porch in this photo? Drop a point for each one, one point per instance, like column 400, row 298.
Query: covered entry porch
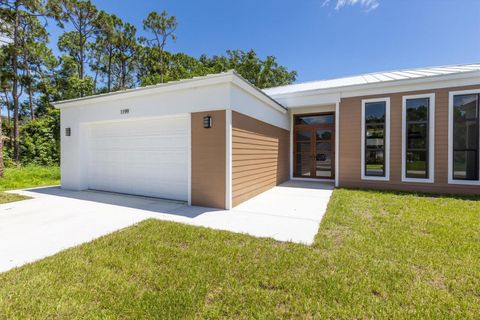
column 314, row 144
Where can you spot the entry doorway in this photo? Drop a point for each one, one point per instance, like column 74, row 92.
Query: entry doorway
column 314, row 146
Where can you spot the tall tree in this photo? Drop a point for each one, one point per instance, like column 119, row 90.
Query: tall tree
column 125, row 43
column 104, row 47
column 263, row 73
column 21, row 26
column 83, row 16
column 34, row 56
column 4, row 87
column 162, row 26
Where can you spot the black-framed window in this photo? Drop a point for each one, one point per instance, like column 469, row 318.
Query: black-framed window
column 465, row 136
column 375, row 132
column 417, row 138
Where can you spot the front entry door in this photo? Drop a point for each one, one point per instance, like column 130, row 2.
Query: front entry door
column 314, row 146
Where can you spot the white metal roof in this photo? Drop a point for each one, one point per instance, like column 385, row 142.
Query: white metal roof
column 373, row 78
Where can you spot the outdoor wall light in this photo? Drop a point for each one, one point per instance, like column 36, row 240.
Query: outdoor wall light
column 207, row 122
column 68, row 132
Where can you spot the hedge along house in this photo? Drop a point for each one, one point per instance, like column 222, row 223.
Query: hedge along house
column 217, row 141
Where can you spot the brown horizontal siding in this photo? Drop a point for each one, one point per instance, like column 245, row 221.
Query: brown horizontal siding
column 260, row 157
column 209, row 160
column 350, row 145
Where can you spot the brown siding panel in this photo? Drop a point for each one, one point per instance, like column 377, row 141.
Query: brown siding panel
column 350, row 147
column 260, row 157
column 209, row 160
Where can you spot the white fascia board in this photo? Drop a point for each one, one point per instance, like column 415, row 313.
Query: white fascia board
column 310, row 100
column 148, row 90
column 394, row 86
column 189, row 84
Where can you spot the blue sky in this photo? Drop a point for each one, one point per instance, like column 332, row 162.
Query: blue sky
column 322, row 38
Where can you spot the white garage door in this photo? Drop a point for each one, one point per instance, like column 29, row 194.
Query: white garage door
column 141, row 157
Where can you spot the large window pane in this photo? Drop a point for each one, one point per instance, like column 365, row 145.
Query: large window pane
column 375, row 131
column 417, row 109
column 375, row 112
column 374, row 163
column 417, row 136
column 465, row 134
column 417, row 164
column 465, row 107
column 375, row 138
column 317, row 119
column 304, row 135
column 324, row 134
column 465, row 165
column 303, row 147
column 465, row 137
column 324, row 146
column 323, row 164
column 304, row 164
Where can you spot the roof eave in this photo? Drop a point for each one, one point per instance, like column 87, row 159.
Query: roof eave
column 214, row 79
column 385, row 84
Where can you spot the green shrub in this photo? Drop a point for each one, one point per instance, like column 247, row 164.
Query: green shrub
column 40, row 140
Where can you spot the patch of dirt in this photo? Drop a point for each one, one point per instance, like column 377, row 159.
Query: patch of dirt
column 212, row 295
column 338, row 234
column 270, row 287
column 430, row 277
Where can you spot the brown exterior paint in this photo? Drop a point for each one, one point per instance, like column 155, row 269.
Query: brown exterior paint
column 260, row 157
column 208, row 160
column 350, row 147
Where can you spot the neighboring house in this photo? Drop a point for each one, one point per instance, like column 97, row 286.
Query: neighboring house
column 217, row 140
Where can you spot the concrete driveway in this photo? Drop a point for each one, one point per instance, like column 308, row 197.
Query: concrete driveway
column 56, row 219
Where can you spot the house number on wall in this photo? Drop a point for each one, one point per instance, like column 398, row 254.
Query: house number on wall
column 124, row 111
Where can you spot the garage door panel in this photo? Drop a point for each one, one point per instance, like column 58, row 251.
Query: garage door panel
column 146, row 157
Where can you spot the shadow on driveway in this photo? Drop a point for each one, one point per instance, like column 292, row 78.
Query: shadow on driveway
column 125, row 200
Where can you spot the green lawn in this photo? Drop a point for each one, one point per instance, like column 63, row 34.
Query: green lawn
column 7, row 197
column 26, row 177
column 29, row 176
column 377, row 255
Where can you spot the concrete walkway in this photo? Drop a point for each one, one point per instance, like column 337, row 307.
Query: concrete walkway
column 57, row 219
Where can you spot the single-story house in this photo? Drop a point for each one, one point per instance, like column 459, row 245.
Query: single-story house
column 217, row 140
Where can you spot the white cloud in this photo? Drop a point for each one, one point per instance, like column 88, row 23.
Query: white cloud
column 368, row 5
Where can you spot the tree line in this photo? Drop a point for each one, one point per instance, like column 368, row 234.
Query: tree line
column 99, row 53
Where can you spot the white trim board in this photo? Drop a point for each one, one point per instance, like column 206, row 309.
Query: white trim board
column 337, row 144
column 331, row 95
column 451, row 95
column 386, row 140
column 189, row 157
column 431, row 138
column 193, row 83
column 228, row 160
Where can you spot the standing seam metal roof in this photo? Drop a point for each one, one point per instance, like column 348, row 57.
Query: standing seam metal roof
column 370, row 78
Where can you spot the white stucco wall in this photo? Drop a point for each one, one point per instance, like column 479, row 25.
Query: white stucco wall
column 249, row 105
column 154, row 103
